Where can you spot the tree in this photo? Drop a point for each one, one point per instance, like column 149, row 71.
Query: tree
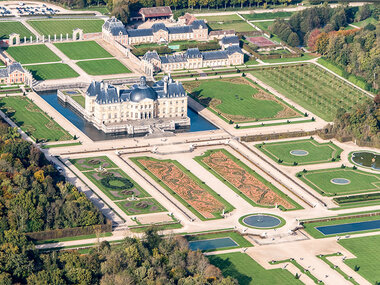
column 121, row 11
column 321, row 43
column 363, row 13
column 293, row 40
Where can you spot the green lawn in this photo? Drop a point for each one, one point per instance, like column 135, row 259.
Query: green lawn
column 360, row 181
column 63, row 26
column 263, row 25
column 51, row 71
column 264, row 16
column 310, row 228
column 33, row 54
column 102, row 9
column 247, row 271
column 289, row 59
column 221, row 18
column 103, row 67
column 317, row 152
column 32, row 120
column 91, row 163
column 235, row 101
column 313, row 88
column 365, row 22
column 83, row 50
column 80, row 100
column 367, row 251
column 238, row 26
column 7, row 28
column 150, row 205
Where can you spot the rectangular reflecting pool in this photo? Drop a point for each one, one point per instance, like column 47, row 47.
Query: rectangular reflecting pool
column 349, row 228
column 209, row 244
column 198, row 123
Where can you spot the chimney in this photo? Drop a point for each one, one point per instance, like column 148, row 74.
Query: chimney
column 165, row 86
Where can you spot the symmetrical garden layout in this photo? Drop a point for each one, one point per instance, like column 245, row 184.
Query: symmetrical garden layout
column 32, row 54
column 239, row 100
column 340, row 181
column 32, row 120
column 83, row 50
column 301, row 152
column 117, row 185
column 187, row 188
column 244, row 181
column 313, row 88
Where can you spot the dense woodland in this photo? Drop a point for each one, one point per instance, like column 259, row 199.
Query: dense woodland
column 34, row 197
column 151, row 260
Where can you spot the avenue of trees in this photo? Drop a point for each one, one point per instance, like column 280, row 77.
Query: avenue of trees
column 34, row 196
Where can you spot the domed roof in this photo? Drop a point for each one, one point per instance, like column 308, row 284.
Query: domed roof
column 142, row 91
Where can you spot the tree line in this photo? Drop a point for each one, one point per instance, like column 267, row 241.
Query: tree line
column 34, row 196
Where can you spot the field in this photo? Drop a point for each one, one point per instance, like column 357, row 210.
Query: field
column 359, row 181
column 221, row 18
column 312, row 87
column 65, row 26
column 32, row 54
column 103, row 67
column 7, row 28
column 32, row 120
column 265, row 16
column 263, row 25
column 310, row 228
column 367, row 251
column 243, row 180
column 248, row 272
column 238, row 26
column 83, row 50
column 238, row 100
column 51, row 71
column 185, row 187
column 316, row 152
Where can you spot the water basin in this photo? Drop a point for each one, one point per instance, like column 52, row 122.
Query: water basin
column 261, row 221
column 209, row 244
column 367, row 159
column 299, row 152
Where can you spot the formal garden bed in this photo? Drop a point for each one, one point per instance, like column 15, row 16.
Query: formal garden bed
column 91, row 163
column 140, row 206
column 32, row 120
column 313, row 88
column 103, row 67
column 239, row 100
column 32, row 54
column 51, row 71
column 301, row 152
column 244, row 181
column 185, row 187
column 83, row 50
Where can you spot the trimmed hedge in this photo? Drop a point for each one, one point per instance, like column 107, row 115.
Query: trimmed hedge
column 106, row 182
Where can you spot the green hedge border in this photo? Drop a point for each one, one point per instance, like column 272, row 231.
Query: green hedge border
column 283, row 222
column 228, row 206
column 250, row 171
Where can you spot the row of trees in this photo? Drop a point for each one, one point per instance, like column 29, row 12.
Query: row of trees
column 151, row 260
column 33, row 196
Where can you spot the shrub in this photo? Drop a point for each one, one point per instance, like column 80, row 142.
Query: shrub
column 342, row 166
column 106, row 182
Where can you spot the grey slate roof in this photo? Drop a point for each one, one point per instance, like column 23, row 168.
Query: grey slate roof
column 198, row 23
column 158, row 26
column 230, row 40
column 108, row 94
column 211, row 55
column 193, row 53
column 232, row 49
column 172, row 58
column 151, row 55
column 140, row 32
column 180, row 30
column 115, row 26
column 4, row 72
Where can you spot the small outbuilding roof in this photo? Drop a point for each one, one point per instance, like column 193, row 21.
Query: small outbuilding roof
column 153, row 12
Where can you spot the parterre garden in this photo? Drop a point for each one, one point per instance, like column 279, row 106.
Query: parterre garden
column 301, row 152
column 117, row 185
column 66, row 26
column 340, row 181
column 313, row 88
column 239, row 100
column 247, row 271
column 244, row 181
column 185, row 187
column 32, row 120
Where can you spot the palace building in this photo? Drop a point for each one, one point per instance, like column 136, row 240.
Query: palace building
column 138, row 109
column 114, row 30
column 14, row 73
column 192, row 58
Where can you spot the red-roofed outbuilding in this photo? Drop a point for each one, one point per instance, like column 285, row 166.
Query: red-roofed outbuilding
column 156, row 13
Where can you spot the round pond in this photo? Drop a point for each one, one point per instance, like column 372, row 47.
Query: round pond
column 367, row 159
column 261, row 221
column 299, row 152
column 340, row 181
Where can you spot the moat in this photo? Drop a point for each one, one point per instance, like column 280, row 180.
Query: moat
column 198, row 123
